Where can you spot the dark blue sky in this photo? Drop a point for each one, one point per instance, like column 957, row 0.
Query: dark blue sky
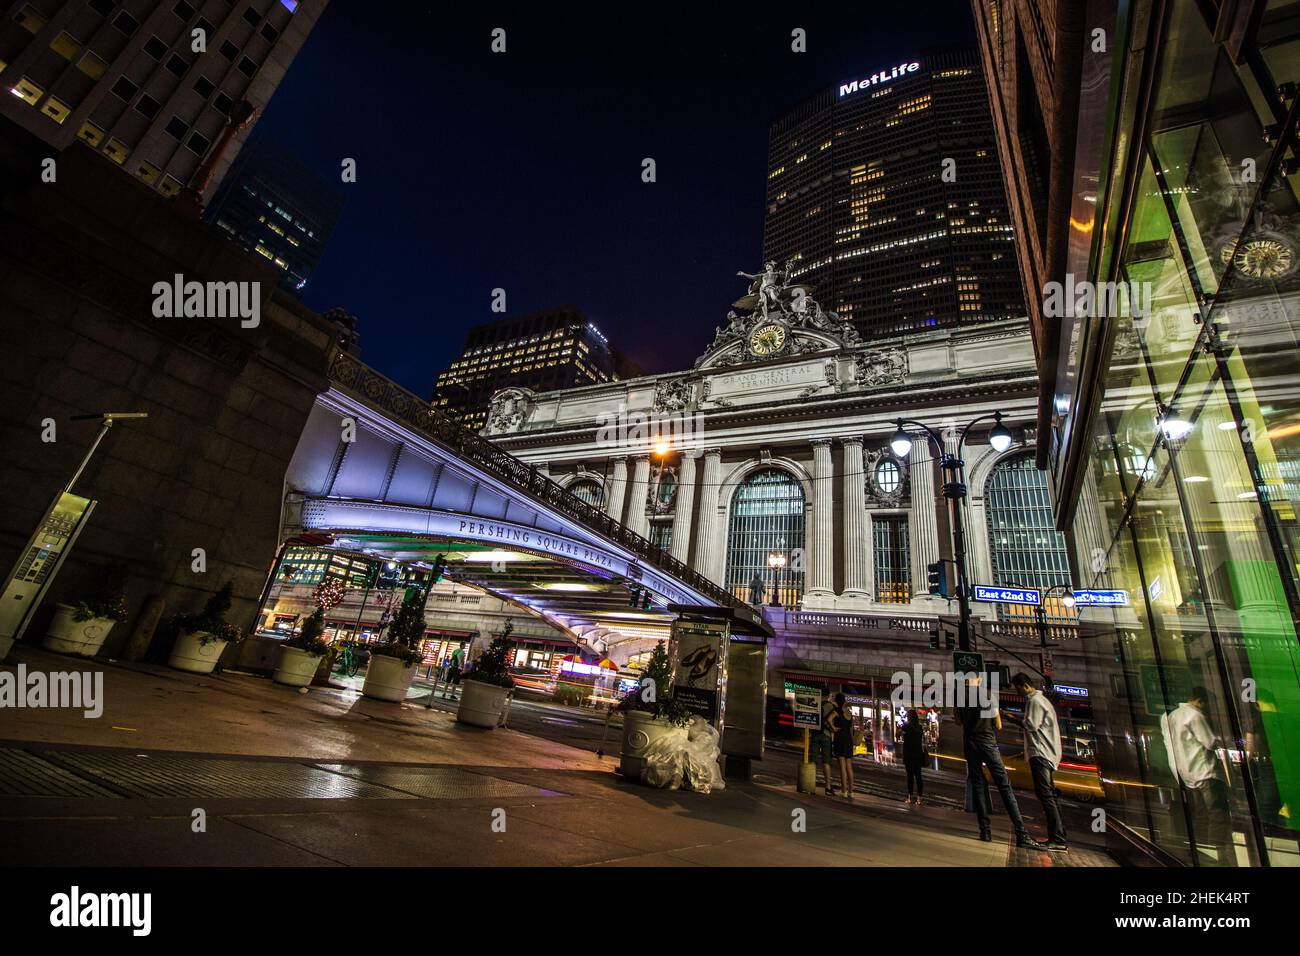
column 523, row 171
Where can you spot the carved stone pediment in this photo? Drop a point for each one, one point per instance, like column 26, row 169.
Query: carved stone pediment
column 510, row 409
column 879, row 368
column 674, row 395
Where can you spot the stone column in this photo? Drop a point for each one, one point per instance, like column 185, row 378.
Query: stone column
column 979, row 548
column 820, row 551
column 711, row 544
column 924, row 531
column 683, row 507
column 856, row 522
column 617, row 486
column 636, row 516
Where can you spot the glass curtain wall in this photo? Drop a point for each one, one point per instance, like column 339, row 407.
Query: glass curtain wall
column 1190, row 501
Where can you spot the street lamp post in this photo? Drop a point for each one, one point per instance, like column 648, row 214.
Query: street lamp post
column 954, row 490
column 775, row 561
column 1040, row 614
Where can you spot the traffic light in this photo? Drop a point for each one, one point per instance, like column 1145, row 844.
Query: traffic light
column 937, row 580
column 634, row 599
column 439, row 566
column 645, row 600
column 934, row 640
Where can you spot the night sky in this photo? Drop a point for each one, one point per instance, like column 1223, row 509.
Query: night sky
column 523, row 171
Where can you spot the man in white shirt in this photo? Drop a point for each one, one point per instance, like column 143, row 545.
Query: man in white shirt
column 1043, row 754
column 1192, row 747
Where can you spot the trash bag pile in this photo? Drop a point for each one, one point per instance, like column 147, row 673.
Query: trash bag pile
column 685, row 758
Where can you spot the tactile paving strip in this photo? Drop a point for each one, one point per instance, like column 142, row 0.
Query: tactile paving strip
column 184, row 776
column 24, row 774
column 437, row 783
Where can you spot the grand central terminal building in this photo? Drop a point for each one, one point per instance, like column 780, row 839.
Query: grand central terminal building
column 768, row 467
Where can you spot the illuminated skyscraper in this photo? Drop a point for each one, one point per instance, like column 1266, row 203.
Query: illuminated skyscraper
column 543, row 351
column 127, row 79
column 273, row 205
column 885, row 191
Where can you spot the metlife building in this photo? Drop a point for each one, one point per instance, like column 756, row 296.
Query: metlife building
column 885, row 190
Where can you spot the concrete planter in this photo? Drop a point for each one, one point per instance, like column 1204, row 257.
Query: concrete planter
column 640, row 730
column 296, row 667
column 387, row 678
column 190, row 654
column 83, row 638
column 481, row 704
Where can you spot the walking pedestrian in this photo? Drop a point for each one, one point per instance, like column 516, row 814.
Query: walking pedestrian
column 1043, row 754
column 980, row 726
column 842, row 727
column 914, row 755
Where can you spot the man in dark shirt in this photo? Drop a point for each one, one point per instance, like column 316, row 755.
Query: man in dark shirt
column 980, row 737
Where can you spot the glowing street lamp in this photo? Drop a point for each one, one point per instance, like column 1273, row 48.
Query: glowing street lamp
column 775, row 561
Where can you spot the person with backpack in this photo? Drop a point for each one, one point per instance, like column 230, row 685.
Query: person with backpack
column 914, row 755
column 842, row 738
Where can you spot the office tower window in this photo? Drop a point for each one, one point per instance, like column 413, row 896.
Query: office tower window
column 155, row 48
column 204, row 87
column 176, row 128
column 126, row 23
column 767, row 517
column 124, row 88
column 893, row 559
column 147, row 105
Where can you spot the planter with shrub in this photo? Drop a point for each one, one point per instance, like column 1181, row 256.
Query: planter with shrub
column 486, row 688
column 80, row 628
column 393, row 664
column 300, row 656
column 649, row 712
column 202, row 638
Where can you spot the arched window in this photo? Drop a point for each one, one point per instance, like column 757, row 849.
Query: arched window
column 667, row 486
column 766, row 518
column 589, row 492
column 1027, row 550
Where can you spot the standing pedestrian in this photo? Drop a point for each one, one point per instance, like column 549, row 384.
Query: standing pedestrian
column 980, row 726
column 1043, row 754
column 842, row 728
column 822, row 752
column 914, row 755
column 1193, row 754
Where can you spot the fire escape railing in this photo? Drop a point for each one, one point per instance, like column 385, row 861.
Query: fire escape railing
column 352, row 374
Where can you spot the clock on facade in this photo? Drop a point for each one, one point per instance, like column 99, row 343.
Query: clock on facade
column 767, row 339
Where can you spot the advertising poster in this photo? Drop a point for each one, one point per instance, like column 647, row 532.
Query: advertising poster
column 699, row 667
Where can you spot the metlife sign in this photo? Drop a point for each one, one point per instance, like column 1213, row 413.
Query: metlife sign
column 875, row 79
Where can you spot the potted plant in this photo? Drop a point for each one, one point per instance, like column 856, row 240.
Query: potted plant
column 301, row 655
column 649, row 712
column 81, row 627
column 201, row 638
column 393, row 663
column 485, row 689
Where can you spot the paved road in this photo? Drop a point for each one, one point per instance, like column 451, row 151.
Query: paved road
column 584, row 729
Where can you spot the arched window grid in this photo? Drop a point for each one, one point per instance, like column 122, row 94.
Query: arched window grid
column 767, row 515
column 1026, row 550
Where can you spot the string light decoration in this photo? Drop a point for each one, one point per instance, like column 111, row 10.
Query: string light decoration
column 329, row 593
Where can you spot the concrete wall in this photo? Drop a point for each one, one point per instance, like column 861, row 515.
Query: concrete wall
column 78, row 259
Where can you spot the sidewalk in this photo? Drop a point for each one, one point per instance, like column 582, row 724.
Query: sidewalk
column 326, row 778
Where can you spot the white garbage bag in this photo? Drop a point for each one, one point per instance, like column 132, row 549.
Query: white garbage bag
column 665, row 760
column 703, row 747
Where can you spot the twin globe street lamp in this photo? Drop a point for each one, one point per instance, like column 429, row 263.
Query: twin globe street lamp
column 954, row 489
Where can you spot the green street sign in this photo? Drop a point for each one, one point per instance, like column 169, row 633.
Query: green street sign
column 967, row 662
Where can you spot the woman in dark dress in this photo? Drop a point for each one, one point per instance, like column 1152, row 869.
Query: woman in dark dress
column 914, row 755
column 842, row 741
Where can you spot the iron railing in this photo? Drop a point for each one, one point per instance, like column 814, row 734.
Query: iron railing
column 348, row 372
